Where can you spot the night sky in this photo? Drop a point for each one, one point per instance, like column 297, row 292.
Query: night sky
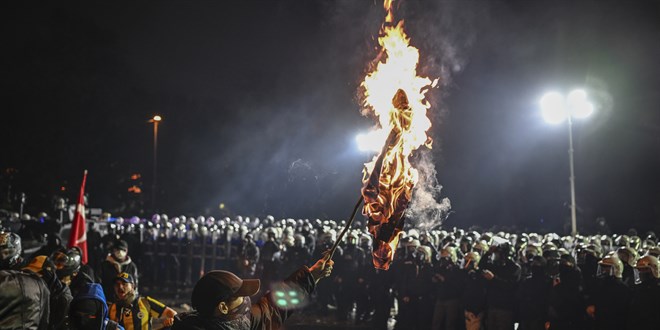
column 260, row 105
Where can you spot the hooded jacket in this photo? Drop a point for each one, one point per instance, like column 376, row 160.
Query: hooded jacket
column 265, row 314
column 94, row 291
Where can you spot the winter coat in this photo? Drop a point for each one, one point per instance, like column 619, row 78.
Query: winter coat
column 265, row 313
column 23, row 301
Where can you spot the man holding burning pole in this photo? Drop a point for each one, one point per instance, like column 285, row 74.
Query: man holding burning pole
column 222, row 300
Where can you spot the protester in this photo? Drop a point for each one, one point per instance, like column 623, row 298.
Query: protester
column 134, row 312
column 222, row 300
column 24, row 297
column 60, row 294
column 89, row 310
column 115, row 263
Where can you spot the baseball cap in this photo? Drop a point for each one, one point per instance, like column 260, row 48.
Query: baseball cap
column 125, row 277
column 120, row 244
column 219, row 285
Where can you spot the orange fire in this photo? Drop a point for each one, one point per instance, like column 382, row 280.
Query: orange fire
column 396, row 95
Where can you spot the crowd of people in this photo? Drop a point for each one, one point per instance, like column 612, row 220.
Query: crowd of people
column 439, row 279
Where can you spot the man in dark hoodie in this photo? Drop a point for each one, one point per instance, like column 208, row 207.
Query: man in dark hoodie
column 89, row 311
column 222, row 300
column 115, row 263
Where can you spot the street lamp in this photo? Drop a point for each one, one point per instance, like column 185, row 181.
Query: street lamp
column 555, row 109
column 155, row 120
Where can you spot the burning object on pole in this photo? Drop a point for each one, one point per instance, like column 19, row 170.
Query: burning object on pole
column 396, row 95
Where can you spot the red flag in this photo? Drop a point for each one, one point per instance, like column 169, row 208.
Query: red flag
column 78, row 235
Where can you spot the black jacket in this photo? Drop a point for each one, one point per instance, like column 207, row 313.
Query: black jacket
column 23, row 301
column 501, row 290
column 611, row 299
column 533, row 297
column 643, row 309
column 265, row 313
column 474, row 293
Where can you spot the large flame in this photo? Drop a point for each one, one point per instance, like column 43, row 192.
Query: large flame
column 396, row 95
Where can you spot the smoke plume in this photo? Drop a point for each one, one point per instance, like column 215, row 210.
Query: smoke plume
column 427, row 208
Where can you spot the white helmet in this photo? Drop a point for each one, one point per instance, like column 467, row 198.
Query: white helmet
column 646, row 267
column 611, row 265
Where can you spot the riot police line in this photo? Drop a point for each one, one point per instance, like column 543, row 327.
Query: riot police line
column 440, row 279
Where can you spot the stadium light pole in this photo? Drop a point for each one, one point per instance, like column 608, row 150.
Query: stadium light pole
column 154, row 186
column 555, row 109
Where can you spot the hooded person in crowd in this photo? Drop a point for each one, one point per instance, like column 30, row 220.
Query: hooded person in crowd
column 89, row 311
column 115, row 263
column 222, row 300
column 24, row 297
column 134, row 312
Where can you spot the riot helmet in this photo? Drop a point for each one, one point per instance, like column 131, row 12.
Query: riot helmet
column 10, row 250
column 611, row 265
column 647, row 268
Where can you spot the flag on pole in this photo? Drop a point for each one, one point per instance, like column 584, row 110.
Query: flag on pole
column 78, row 235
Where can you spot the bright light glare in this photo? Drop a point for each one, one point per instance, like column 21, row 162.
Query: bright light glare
column 157, row 118
column 579, row 104
column 371, row 142
column 553, row 108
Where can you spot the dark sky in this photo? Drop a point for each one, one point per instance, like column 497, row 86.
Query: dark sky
column 260, row 104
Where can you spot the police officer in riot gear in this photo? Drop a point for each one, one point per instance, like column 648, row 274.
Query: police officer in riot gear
column 502, row 275
column 643, row 311
column 533, row 295
column 351, row 262
column 608, row 304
